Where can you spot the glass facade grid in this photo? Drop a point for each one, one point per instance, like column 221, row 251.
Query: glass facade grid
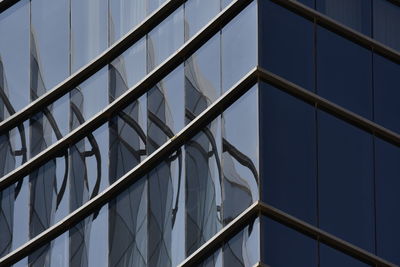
column 293, row 155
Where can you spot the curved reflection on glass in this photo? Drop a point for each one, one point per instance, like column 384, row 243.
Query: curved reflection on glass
column 240, row 155
column 203, row 152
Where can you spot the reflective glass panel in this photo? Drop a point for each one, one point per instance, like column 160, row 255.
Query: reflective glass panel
column 286, row 44
column 346, row 183
column 355, row 14
column 344, row 74
column 288, row 153
column 386, row 23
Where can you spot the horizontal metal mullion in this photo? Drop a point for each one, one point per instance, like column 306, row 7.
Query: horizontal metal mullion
column 132, row 94
column 5, row 4
column 194, row 127
column 330, row 107
column 92, row 67
column 260, row 208
column 339, row 28
column 322, row 236
column 226, row 233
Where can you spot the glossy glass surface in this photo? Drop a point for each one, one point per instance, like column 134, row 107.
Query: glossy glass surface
column 386, row 20
column 330, row 257
column 387, row 172
column 244, row 248
column 240, row 156
column 286, row 43
column 283, row 246
column 386, row 93
column 125, row 15
column 198, row 13
column 355, row 14
column 203, row 152
column 165, row 39
column 14, row 94
column 344, row 74
column 239, row 51
column 288, row 138
column 345, row 188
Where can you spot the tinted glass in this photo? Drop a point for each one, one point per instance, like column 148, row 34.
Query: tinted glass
column 282, row 246
column 286, row 44
column 344, row 73
column 239, row 46
column 355, row 14
column 288, row 153
column 345, row 172
column 386, row 93
column 240, row 161
column 386, row 21
column 387, row 170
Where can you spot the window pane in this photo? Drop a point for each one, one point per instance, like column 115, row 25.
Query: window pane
column 346, row 193
column 386, row 23
column 386, row 93
column 355, row 14
column 240, row 155
column 344, row 73
column 288, row 153
column 239, row 46
column 286, row 44
column 283, row 246
column 387, row 171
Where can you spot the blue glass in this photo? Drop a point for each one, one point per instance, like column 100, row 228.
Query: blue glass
column 283, row 246
column 346, row 183
column 240, row 160
column 355, row 14
column 286, row 43
column 386, row 93
column 330, row 257
column 239, row 46
column 198, row 13
column 386, row 21
column 124, row 15
column 344, row 73
column 387, row 171
column 288, row 153
column 14, row 95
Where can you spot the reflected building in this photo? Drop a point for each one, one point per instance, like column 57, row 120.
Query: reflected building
column 199, row 133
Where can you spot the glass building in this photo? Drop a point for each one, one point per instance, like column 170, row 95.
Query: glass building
column 199, row 133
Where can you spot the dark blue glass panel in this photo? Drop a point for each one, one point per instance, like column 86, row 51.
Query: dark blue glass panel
column 387, row 170
column 286, row 44
column 386, row 93
column 344, row 72
column 283, row 247
column 355, row 14
column 386, row 23
column 346, row 193
column 288, row 153
column 330, row 257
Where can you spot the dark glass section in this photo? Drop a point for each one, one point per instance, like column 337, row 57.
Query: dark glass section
column 332, row 257
column 239, row 46
column 355, row 14
column 165, row 117
column 346, row 193
column 240, row 155
column 244, row 248
column 288, row 153
column 344, row 73
column 283, row 246
column 203, row 152
column 386, row 93
column 386, row 21
column 286, row 43
column 387, row 171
